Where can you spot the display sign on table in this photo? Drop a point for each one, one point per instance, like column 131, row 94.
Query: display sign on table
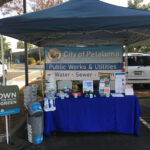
column 88, row 86
column 104, row 85
column 64, row 85
column 120, row 82
column 82, row 63
column 9, row 100
column 129, row 89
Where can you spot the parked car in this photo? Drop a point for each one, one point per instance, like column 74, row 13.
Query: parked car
column 138, row 68
column 1, row 68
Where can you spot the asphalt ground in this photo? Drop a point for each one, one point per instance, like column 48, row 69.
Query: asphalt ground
column 145, row 109
column 95, row 141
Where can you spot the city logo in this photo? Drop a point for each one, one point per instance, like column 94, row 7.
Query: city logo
column 54, row 54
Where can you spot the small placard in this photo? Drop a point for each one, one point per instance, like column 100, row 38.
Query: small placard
column 120, row 82
column 129, row 89
column 9, row 100
column 87, row 86
column 104, row 84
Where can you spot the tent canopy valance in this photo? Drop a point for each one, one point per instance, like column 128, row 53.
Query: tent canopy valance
column 88, row 22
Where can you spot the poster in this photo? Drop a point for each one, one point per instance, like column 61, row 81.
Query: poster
column 88, row 86
column 120, row 83
column 104, row 85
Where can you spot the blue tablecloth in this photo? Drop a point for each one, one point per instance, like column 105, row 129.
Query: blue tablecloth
column 120, row 114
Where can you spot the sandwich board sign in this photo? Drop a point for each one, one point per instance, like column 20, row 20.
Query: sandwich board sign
column 9, row 100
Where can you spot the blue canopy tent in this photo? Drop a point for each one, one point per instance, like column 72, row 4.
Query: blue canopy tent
column 88, row 22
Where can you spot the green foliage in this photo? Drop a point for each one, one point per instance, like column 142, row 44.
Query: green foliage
column 7, row 54
column 139, row 49
column 36, row 56
column 20, row 44
column 42, row 55
column 40, row 63
column 31, row 61
column 5, row 45
column 137, row 4
column 2, row 2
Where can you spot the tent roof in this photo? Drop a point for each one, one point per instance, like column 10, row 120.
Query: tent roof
column 88, row 22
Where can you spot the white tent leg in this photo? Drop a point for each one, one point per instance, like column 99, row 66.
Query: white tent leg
column 6, row 117
column 126, row 62
column 2, row 55
column 7, row 133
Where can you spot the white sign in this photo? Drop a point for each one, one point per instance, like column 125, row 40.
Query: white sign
column 120, row 83
column 88, row 86
column 104, row 85
column 129, row 90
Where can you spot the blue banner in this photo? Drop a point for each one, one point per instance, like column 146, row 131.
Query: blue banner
column 73, row 66
column 87, row 59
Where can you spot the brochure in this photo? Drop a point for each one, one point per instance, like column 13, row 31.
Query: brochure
column 87, row 86
column 117, row 95
column 129, row 89
column 120, row 82
column 104, row 85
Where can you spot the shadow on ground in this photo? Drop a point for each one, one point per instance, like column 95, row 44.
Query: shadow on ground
column 94, row 141
column 82, row 141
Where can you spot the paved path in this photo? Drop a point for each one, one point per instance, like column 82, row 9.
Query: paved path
column 20, row 80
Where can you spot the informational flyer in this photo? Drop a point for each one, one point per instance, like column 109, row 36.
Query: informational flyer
column 129, row 89
column 104, row 85
column 120, row 83
column 88, row 86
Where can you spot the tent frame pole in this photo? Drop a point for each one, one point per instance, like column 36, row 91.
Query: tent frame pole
column 4, row 83
column 26, row 50
column 126, row 62
column 26, row 64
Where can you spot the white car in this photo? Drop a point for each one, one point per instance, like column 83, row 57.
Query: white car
column 1, row 68
column 138, row 68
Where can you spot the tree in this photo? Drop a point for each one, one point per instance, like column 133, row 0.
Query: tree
column 20, row 44
column 12, row 6
column 43, row 4
column 36, row 56
column 2, row 2
column 138, row 4
column 17, row 5
column 5, row 45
